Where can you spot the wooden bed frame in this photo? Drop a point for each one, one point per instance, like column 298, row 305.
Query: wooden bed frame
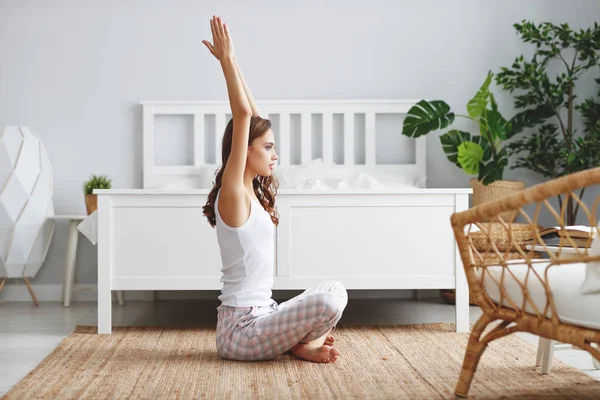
column 391, row 238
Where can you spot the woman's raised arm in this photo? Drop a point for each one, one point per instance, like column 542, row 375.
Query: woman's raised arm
column 234, row 192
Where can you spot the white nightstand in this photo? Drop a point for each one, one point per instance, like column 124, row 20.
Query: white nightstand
column 546, row 347
column 73, row 238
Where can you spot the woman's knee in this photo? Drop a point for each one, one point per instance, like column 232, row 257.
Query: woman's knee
column 339, row 290
column 332, row 304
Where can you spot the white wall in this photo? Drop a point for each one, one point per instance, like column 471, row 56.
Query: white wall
column 76, row 70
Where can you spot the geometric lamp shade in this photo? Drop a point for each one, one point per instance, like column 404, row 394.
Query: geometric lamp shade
column 26, row 205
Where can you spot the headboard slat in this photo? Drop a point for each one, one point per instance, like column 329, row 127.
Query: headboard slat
column 370, row 139
column 220, row 125
column 349, row 139
column 199, row 139
column 306, row 141
column 327, row 139
column 284, row 139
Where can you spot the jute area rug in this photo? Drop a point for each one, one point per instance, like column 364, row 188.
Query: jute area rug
column 376, row 362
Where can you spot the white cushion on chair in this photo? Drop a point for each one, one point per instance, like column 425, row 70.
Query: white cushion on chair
column 572, row 306
column 591, row 283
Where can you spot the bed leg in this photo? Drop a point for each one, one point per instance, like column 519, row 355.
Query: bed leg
column 104, row 266
column 104, row 311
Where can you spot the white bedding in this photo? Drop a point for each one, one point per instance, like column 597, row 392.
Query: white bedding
column 312, row 175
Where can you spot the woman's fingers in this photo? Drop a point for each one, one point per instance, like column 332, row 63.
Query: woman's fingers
column 220, row 27
column 209, row 47
column 226, row 30
column 213, row 29
column 214, row 25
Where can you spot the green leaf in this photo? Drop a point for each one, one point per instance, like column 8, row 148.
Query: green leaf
column 590, row 113
column 492, row 171
column 469, row 157
column 493, row 102
column 478, row 104
column 450, row 142
column 485, row 145
column 530, row 118
column 96, row 182
column 425, row 117
column 497, row 125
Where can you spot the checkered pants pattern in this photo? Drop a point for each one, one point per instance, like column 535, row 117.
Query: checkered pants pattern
column 265, row 332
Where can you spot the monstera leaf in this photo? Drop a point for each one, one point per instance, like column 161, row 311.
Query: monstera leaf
column 454, row 138
column 427, row 116
column 450, row 142
column 469, row 157
column 492, row 171
column 477, row 105
column 498, row 127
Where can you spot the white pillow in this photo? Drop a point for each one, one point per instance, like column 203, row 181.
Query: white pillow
column 299, row 176
column 316, row 174
column 391, row 178
column 591, row 283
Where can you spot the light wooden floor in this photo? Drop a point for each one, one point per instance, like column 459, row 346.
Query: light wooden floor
column 28, row 334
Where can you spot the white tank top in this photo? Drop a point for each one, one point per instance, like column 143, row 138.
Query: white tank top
column 247, row 255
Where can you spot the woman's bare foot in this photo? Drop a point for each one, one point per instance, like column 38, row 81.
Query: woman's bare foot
column 310, row 352
column 329, row 340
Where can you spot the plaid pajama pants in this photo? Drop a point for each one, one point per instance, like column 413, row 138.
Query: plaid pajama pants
column 265, row 332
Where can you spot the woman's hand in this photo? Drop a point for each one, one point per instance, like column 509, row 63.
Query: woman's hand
column 222, row 46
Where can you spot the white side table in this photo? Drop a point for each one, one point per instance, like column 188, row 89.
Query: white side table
column 546, row 347
column 73, row 238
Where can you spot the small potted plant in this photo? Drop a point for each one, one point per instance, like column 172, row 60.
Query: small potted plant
column 485, row 154
column 95, row 182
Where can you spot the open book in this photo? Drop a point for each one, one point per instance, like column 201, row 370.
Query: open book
column 567, row 236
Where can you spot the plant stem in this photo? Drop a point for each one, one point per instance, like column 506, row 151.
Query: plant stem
column 570, row 115
column 570, row 217
column 565, row 62
column 466, row 116
column 559, row 202
column 562, row 125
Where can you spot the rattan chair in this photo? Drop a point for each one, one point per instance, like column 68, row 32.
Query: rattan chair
column 540, row 291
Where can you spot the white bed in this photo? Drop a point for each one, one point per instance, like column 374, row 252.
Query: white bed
column 343, row 214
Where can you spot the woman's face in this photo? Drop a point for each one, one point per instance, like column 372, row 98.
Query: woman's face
column 261, row 155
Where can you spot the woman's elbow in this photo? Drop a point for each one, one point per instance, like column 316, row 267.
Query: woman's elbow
column 242, row 113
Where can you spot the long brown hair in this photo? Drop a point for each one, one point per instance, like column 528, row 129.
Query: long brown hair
column 265, row 188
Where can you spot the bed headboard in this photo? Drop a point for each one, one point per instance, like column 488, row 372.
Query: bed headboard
column 309, row 115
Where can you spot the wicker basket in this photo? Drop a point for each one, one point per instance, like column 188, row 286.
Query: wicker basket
column 496, row 190
column 500, row 236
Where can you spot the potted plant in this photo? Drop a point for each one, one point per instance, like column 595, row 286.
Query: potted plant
column 95, row 182
column 555, row 148
column 484, row 155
